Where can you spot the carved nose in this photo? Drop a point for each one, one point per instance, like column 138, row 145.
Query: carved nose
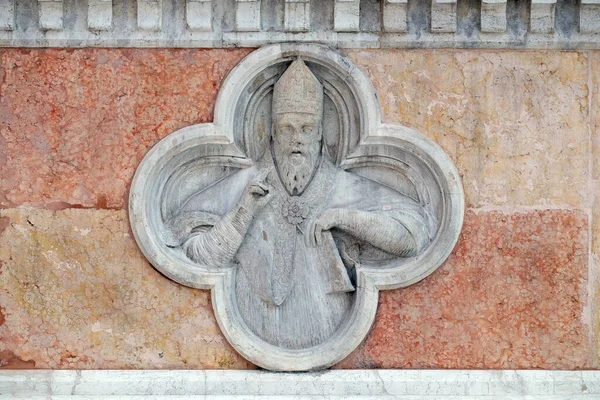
column 297, row 138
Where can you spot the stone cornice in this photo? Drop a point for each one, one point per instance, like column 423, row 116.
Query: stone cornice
column 341, row 23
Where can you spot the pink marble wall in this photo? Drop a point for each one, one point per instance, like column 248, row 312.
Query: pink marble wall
column 512, row 295
column 76, row 123
column 519, row 290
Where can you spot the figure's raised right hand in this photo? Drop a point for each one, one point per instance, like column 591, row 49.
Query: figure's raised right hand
column 258, row 193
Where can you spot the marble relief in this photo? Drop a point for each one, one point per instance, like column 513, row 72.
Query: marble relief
column 296, row 206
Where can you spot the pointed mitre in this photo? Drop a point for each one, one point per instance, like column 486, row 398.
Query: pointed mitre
column 298, row 91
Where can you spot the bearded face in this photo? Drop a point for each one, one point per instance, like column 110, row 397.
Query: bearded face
column 296, row 148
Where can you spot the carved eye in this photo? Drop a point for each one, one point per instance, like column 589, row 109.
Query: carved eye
column 285, row 129
column 307, row 128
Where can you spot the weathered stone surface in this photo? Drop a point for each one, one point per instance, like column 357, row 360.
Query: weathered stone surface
column 76, row 293
column 595, row 192
column 339, row 24
column 74, row 124
column 512, row 295
column 515, row 123
column 502, row 116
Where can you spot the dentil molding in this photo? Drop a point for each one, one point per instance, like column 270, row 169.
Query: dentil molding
column 538, row 24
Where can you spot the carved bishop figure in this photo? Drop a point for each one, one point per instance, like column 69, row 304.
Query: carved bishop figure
column 295, row 227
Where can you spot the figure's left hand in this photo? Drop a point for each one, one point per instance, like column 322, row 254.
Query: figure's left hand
column 314, row 228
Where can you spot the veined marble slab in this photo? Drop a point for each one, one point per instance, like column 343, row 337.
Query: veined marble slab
column 334, row 384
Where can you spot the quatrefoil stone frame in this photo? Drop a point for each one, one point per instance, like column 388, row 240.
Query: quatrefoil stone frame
column 363, row 143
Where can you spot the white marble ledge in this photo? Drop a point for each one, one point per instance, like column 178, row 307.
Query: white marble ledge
column 335, row 384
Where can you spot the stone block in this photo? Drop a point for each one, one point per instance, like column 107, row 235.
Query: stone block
column 198, row 15
column 589, row 16
column 443, row 16
column 99, row 15
column 543, row 13
column 346, row 15
column 74, row 124
column 595, row 191
column 247, row 15
column 149, row 15
column 77, row 293
column 297, row 15
column 512, row 295
column 395, row 16
column 493, row 16
column 515, row 123
column 50, row 15
column 7, row 15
